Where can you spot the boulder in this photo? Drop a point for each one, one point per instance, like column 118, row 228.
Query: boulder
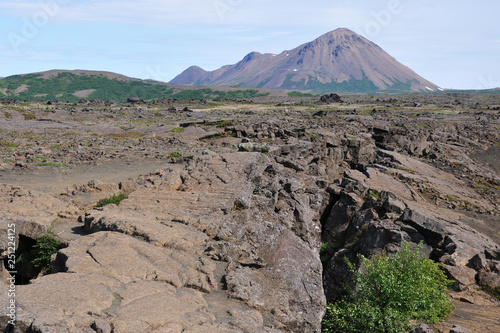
column 332, row 98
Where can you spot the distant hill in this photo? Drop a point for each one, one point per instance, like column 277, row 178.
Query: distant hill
column 72, row 86
column 339, row 61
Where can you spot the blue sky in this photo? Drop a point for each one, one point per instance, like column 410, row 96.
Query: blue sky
column 455, row 44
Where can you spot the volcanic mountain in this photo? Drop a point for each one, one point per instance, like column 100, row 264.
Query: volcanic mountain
column 340, row 61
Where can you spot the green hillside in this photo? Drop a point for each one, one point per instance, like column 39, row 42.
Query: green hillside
column 70, row 87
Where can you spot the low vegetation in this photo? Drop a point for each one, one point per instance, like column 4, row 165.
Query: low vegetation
column 115, row 199
column 174, row 154
column 391, row 295
column 64, row 86
column 300, row 94
column 176, row 130
column 326, row 252
column 8, row 144
column 52, row 164
column 493, row 291
column 41, row 253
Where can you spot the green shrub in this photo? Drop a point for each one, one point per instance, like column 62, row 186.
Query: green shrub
column 390, row 293
column 29, row 116
column 326, row 252
column 115, row 199
column 174, row 154
column 41, row 253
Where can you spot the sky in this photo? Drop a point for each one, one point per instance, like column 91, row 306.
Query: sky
column 454, row 44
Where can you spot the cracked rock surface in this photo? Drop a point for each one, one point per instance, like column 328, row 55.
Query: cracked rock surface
column 225, row 234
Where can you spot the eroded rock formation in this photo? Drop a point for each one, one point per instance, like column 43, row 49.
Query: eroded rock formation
column 227, row 239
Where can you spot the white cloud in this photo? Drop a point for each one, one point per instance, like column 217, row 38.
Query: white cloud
column 168, row 13
column 433, row 38
column 145, row 12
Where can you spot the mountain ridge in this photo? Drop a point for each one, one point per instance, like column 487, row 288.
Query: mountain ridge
column 73, row 85
column 339, row 60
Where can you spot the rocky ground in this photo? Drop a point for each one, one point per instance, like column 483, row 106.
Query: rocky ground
column 228, row 203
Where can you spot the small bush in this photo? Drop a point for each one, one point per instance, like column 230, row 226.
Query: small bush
column 174, row 154
column 29, row 116
column 115, row 199
column 41, row 253
column 390, row 293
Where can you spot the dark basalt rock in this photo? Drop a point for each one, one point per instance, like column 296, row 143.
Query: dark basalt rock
column 332, row 98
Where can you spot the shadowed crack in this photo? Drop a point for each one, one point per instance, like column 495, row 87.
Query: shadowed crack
column 91, row 256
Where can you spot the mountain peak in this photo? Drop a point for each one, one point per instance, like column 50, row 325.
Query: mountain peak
column 341, row 31
column 340, row 60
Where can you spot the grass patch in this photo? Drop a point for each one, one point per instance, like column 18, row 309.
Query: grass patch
column 29, row 116
column 115, row 199
column 314, row 136
column 300, row 94
column 374, row 194
column 221, row 124
column 407, row 170
column 126, row 135
column 8, row 144
column 176, row 130
column 452, row 198
column 174, row 154
column 488, row 184
column 52, row 164
column 480, row 187
column 212, row 104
